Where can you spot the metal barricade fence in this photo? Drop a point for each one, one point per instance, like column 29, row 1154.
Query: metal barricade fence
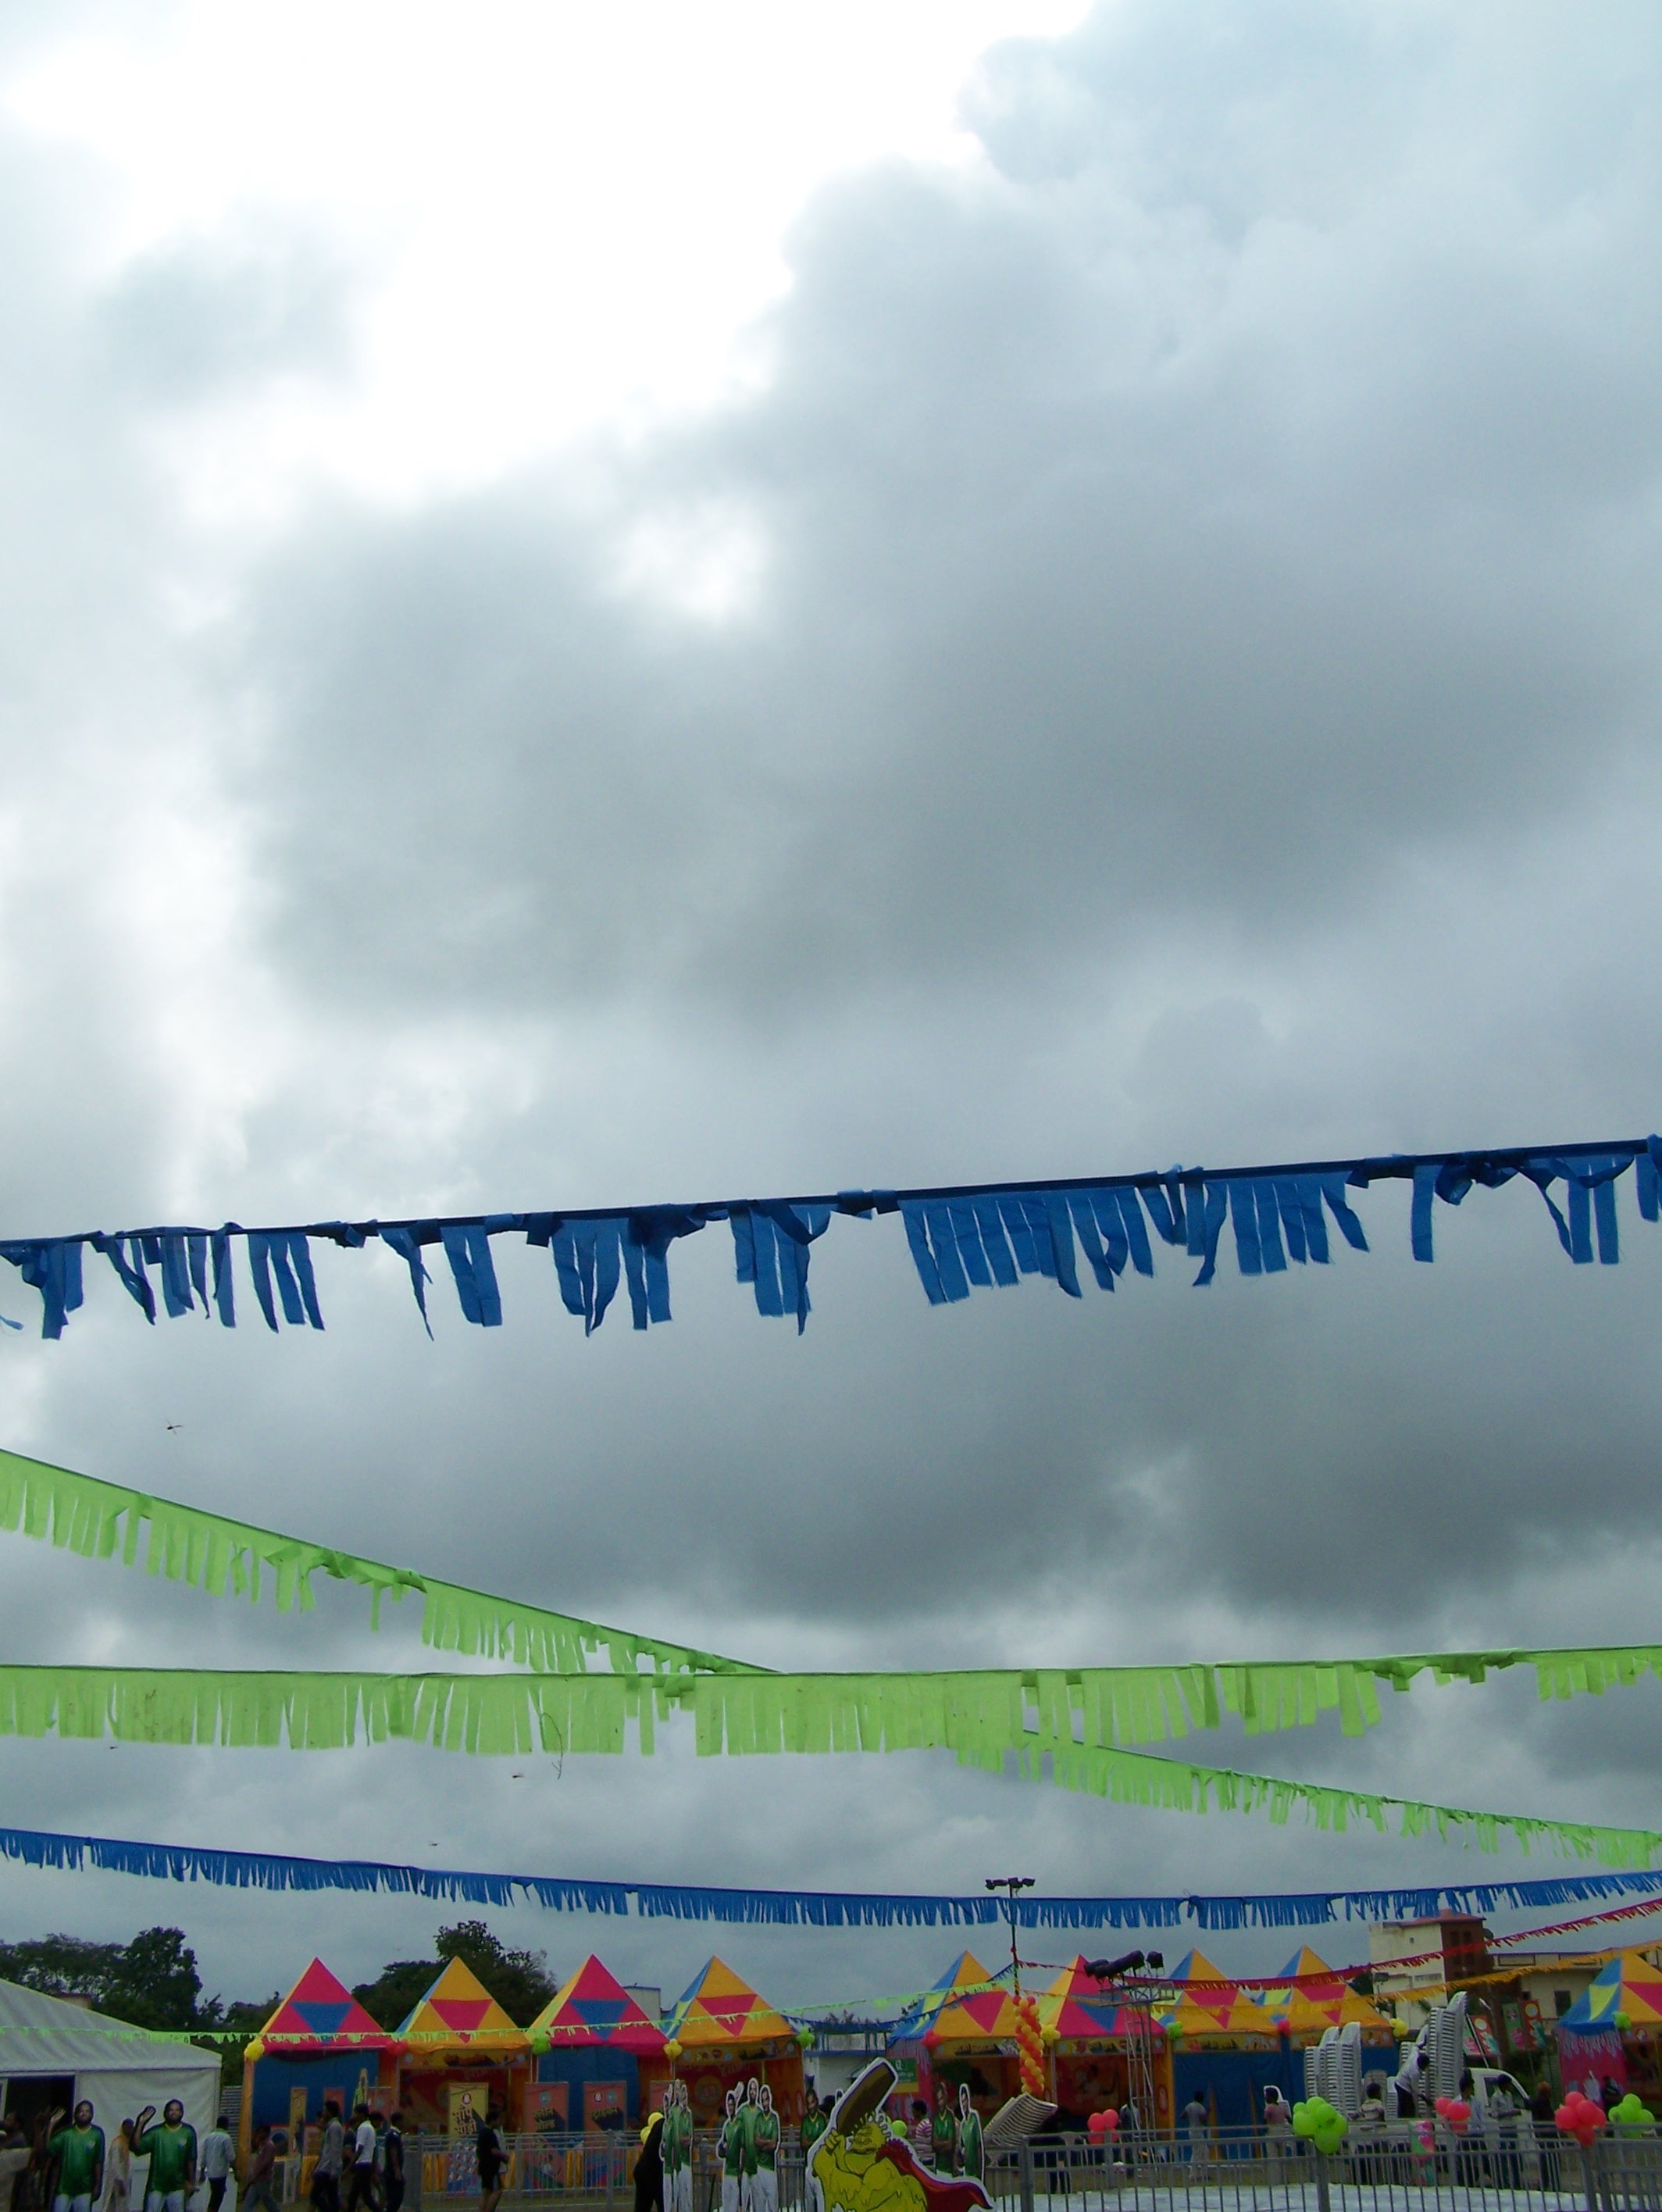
column 595, row 2168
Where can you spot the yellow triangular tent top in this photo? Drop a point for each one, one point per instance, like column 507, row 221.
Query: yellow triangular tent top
column 459, row 2012
column 721, row 2006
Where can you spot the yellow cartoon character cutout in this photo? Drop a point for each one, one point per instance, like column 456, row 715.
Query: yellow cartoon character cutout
column 858, row 2167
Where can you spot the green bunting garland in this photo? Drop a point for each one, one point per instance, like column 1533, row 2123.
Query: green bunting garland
column 523, row 1714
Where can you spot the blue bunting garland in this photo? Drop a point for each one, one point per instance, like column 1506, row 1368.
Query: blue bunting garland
column 963, row 1238
column 806, row 1908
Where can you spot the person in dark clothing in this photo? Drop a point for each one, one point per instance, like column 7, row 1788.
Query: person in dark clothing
column 492, row 2158
column 392, row 2164
column 1544, row 2119
column 649, row 2166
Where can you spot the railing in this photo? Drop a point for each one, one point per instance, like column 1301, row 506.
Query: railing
column 1392, row 2169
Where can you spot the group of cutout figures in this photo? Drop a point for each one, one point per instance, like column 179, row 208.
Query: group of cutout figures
column 853, row 2160
column 76, row 2158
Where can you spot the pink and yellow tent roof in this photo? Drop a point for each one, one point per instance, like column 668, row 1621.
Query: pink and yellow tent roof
column 594, row 2007
column 458, row 2013
column 1078, row 2008
column 961, row 2010
column 965, row 1976
column 320, row 2011
column 721, row 2007
column 1307, row 1997
column 1629, row 1986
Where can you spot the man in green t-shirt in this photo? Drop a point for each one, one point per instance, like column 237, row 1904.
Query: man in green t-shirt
column 971, row 2159
column 748, row 2112
column 944, row 2133
column 79, row 2150
column 813, row 2123
column 766, row 2136
column 171, row 2151
column 732, row 2145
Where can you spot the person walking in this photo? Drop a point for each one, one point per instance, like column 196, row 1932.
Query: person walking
column 217, row 2153
column 331, row 2150
column 649, row 2166
column 79, row 2151
column 118, row 2168
column 171, row 2151
column 1544, row 2119
column 257, row 2193
column 1277, row 2128
column 921, row 2134
column 360, row 2189
column 1194, row 2120
column 491, row 2156
column 392, row 2164
column 1503, row 2136
column 14, row 2156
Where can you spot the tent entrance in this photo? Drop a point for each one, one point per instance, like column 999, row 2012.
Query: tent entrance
column 31, row 2096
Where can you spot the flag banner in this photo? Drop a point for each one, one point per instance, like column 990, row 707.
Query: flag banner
column 962, row 1238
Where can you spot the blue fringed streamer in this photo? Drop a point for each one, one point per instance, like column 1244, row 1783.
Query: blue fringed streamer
column 586, row 1259
column 406, row 1238
column 134, row 1280
column 587, row 1251
column 806, row 1908
column 770, row 1250
column 467, row 1248
column 283, row 1254
column 52, row 1267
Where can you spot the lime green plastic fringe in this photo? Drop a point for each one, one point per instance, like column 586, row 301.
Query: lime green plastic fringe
column 755, row 1709
column 211, row 1552
column 522, row 1714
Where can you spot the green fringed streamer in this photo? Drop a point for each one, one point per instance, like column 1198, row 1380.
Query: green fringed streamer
column 211, row 1553
column 519, row 1714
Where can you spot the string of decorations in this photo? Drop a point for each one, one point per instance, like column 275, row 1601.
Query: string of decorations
column 264, row 1870
column 962, row 1237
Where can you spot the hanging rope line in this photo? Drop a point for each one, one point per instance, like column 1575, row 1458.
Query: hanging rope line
column 794, row 1908
column 962, row 1237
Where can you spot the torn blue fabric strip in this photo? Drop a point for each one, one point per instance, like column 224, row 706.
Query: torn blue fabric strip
column 260, row 1266
column 176, row 1292
column 467, row 1248
column 52, row 1267
column 1290, row 1207
column 917, row 1238
column 225, row 1294
column 1165, row 1205
column 134, row 1280
column 1082, row 1205
column 1269, row 1226
column 197, row 1242
column 995, row 1242
column 1332, row 1189
column 1243, row 1214
column 1207, row 1209
column 1425, row 1185
column 1061, row 1243
column 406, row 1239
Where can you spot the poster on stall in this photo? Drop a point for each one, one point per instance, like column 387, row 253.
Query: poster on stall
column 548, row 2107
column 467, row 2108
column 605, row 2104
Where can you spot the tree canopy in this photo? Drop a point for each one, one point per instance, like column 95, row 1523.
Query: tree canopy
column 519, row 1980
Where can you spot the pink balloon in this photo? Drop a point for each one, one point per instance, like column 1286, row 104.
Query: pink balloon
column 1097, row 2122
column 1110, row 2121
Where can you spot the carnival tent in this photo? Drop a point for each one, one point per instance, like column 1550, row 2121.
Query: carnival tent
column 120, row 2068
column 320, row 2011
column 459, row 2013
column 1308, row 1998
column 1077, row 2008
column 1628, row 1985
column 960, row 2009
column 719, row 2006
column 594, row 2007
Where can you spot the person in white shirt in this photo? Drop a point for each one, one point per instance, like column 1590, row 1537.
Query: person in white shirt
column 360, row 2191
column 213, row 2161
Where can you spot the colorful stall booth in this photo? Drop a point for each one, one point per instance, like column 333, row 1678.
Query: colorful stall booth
column 1308, row 1998
column 1093, row 2039
column 722, row 2034
column 458, row 2053
column 1614, row 2032
column 599, row 2060
column 1225, row 2045
column 318, row 2043
column 959, row 2033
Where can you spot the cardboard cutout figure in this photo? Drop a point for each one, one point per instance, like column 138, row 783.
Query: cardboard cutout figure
column 730, row 2143
column 857, row 2167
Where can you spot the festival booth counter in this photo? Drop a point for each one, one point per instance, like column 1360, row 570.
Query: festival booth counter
column 599, row 2061
column 721, row 2034
column 962, row 2033
column 318, row 2043
column 1614, row 2032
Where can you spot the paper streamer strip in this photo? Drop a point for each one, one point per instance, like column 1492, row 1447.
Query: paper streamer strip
column 523, row 1714
column 962, row 1237
column 802, row 1908
column 985, row 1709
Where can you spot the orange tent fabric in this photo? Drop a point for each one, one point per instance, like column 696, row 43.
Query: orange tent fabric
column 721, row 2007
column 458, row 2013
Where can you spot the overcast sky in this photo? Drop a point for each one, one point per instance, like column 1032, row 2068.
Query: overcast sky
column 757, row 599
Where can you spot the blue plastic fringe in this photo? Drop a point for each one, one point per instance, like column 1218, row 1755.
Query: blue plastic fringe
column 805, row 1908
column 964, row 1239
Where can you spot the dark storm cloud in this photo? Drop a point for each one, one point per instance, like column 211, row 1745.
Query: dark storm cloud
column 1196, row 699
column 1224, row 492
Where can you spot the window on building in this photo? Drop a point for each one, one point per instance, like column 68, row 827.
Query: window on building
column 1561, row 2002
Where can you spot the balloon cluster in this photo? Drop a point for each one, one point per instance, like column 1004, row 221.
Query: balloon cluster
column 1103, row 2124
column 1455, row 2111
column 1321, row 2123
column 1631, row 2115
column 1030, row 2046
column 1579, row 2117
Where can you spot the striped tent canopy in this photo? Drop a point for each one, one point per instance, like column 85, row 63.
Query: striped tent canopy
column 721, row 2007
column 1308, row 1998
column 1630, row 1985
column 321, row 2010
column 960, row 2012
column 1204, row 1989
column 458, row 2013
column 964, row 1974
column 1078, row 2008
column 594, row 2007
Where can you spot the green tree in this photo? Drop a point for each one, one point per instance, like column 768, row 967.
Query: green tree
column 519, row 1980
column 152, row 1981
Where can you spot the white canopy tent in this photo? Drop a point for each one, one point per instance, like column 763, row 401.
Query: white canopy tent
column 117, row 2066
